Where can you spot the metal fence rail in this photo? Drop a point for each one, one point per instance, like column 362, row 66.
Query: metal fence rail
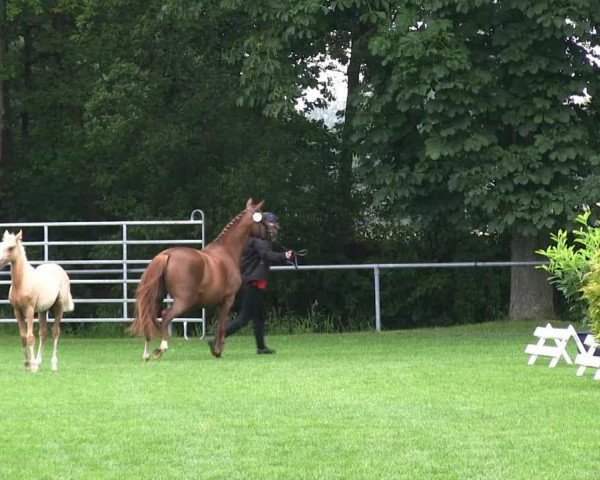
column 125, row 267
column 377, row 267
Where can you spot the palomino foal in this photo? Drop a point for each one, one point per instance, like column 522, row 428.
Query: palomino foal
column 35, row 290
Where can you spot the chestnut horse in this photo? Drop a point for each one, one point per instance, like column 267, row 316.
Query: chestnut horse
column 35, row 290
column 195, row 278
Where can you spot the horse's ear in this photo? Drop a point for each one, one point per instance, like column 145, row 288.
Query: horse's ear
column 19, row 235
column 259, row 205
column 249, row 203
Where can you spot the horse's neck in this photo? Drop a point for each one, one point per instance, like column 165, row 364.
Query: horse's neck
column 234, row 241
column 20, row 269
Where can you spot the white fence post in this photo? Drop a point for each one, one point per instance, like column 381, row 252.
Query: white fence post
column 377, row 299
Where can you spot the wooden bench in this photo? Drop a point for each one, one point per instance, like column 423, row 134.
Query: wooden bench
column 560, row 337
column 589, row 357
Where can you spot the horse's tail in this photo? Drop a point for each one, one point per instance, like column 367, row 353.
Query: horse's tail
column 148, row 297
column 64, row 288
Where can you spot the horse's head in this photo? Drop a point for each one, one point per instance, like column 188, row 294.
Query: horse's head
column 253, row 218
column 10, row 248
column 264, row 225
column 249, row 222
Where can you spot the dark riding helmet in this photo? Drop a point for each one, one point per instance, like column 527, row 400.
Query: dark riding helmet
column 270, row 217
column 272, row 223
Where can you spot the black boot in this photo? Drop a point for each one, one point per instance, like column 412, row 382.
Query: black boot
column 265, row 351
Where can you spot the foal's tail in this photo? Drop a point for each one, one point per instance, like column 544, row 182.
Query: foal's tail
column 66, row 298
column 148, row 298
column 67, row 303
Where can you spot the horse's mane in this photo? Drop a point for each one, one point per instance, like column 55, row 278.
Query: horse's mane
column 231, row 224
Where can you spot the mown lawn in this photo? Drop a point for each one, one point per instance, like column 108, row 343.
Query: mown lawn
column 452, row 403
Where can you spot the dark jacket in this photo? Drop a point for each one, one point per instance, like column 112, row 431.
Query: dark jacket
column 257, row 257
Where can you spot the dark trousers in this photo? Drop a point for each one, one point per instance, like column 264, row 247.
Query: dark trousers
column 251, row 308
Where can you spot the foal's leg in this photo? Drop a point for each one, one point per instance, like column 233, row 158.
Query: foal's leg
column 222, row 325
column 178, row 308
column 23, row 332
column 58, row 313
column 42, row 333
column 29, row 312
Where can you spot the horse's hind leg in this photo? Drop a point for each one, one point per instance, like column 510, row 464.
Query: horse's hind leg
column 58, row 313
column 178, row 308
column 224, row 309
column 42, row 333
column 146, row 354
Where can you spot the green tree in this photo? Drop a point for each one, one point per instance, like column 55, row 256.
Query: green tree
column 43, row 105
column 288, row 48
column 468, row 116
column 115, row 105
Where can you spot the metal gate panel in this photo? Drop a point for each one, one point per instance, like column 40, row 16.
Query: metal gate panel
column 104, row 260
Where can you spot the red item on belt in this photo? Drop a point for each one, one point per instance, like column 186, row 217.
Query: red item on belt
column 260, row 284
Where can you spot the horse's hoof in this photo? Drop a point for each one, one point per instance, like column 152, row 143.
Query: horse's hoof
column 211, row 345
column 34, row 367
column 27, row 365
column 158, row 353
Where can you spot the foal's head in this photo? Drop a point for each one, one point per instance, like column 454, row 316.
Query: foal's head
column 10, row 248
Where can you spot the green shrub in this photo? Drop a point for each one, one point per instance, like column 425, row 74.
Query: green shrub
column 571, row 262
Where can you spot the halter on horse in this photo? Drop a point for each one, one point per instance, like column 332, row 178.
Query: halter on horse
column 195, row 278
column 35, row 290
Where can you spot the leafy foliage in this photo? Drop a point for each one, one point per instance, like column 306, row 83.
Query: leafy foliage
column 473, row 105
column 590, row 291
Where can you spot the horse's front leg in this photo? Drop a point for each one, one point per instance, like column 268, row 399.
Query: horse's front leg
column 222, row 322
column 23, row 333
column 42, row 333
column 29, row 312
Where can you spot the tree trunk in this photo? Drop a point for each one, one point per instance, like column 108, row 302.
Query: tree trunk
column 3, row 103
column 530, row 292
column 26, row 80
column 345, row 179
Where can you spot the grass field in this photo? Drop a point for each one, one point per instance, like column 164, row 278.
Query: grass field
column 453, row 403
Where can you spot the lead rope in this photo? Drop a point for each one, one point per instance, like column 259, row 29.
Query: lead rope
column 295, row 254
